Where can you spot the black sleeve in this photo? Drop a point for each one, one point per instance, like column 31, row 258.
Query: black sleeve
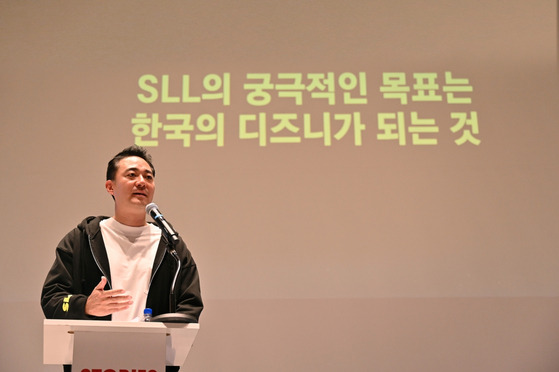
column 189, row 297
column 60, row 297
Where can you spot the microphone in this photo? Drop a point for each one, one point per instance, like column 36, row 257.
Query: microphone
column 172, row 239
column 172, row 236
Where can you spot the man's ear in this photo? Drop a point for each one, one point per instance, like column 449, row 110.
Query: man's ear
column 109, row 187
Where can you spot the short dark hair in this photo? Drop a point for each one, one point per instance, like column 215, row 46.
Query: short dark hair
column 127, row 152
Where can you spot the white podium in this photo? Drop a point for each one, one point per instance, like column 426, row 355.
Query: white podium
column 91, row 345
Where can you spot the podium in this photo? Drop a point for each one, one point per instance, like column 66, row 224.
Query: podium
column 92, row 345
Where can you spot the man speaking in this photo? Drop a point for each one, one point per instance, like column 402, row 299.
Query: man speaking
column 112, row 268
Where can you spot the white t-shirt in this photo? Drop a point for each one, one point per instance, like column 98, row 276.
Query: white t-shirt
column 131, row 252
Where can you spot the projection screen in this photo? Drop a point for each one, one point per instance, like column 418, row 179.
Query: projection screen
column 354, row 163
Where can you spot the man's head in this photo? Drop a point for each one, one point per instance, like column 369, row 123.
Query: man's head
column 131, row 183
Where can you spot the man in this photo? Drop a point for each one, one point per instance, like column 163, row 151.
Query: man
column 113, row 268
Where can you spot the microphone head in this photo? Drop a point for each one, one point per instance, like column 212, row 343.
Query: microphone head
column 150, row 207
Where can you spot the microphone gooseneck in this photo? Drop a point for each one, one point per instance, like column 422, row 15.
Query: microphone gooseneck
column 172, row 238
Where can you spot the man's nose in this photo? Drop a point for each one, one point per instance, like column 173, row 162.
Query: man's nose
column 141, row 181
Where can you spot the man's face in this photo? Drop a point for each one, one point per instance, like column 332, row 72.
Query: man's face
column 134, row 184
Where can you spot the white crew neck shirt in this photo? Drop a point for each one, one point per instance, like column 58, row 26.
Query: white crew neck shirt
column 131, row 252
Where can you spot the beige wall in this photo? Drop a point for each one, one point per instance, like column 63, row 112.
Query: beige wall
column 377, row 256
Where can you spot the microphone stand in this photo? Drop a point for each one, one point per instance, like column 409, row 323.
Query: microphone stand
column 173, row 316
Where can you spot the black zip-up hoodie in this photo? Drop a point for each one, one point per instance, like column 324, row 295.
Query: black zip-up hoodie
column 81, row 260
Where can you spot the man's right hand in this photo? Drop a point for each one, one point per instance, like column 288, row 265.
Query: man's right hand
column 102, row 303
